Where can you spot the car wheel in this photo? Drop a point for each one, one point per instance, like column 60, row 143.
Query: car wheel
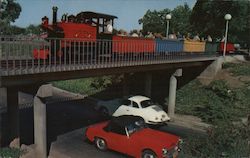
column 100, row 144
column 104, row 111
column 148, row 154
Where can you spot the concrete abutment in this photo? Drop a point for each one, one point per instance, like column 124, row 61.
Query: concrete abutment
column 9, row 106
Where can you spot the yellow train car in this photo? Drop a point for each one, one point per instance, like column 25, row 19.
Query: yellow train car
column 194, row 46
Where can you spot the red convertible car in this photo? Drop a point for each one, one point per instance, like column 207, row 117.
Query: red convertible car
column 129, row 135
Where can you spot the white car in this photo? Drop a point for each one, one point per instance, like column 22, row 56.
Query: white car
column 143, row 107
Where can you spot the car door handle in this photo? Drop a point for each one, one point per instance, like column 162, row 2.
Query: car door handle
column 127, row 109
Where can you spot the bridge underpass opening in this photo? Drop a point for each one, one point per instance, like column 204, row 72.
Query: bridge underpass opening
column 18, row 68
column 154, row 95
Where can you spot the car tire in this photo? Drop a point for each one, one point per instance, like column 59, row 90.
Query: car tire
column 104, row 111
column 100, row 144
column 148, row 154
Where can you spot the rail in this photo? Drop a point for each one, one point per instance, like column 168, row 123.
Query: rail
column 23, row 55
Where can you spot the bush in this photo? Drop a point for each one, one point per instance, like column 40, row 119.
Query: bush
column 87, row 86
column 223, row 107
column 10, row 153
column 214, row 102
column 224, row 140
column 238, row 69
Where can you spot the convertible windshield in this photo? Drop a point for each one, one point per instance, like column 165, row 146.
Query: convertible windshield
column 138, row 125
column 146, row 103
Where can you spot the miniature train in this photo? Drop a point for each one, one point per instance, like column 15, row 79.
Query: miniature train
column 86, row 29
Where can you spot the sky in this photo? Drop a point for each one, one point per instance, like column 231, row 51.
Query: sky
column 127, row 11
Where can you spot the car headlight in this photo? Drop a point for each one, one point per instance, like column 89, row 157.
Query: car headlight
column 180, row 141
column 164, row 151
column 179, row 145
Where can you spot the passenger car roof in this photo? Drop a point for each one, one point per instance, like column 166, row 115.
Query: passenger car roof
column 138, row 98
column 125, row 120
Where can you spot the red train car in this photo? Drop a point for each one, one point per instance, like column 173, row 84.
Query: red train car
column 229, row 47
column 125, row 44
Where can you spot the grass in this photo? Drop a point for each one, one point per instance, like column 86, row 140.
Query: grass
column 221, row 106
column 224, row 140
column 238, row 69
column 10, row 153
column 214, row 102
column 87, row 86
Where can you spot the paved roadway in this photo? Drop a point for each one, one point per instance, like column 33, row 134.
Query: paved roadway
column 82, row 112
column 67, row 116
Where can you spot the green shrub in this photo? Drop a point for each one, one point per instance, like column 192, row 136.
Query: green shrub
column 10, row 153
column 227, row 65
column 214, row 102
column 85, row 86
column 222, row 107
column 238, row 69
column 224, row 140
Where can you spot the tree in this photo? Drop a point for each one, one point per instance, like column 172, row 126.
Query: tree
column 207, row 18
column 155, row 21
column 180, row 19
column 33, row 29
column 9, row 12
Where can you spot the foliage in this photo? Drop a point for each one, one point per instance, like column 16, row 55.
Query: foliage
column 238, row 69
column 85, row 86
column 214, row 102
column 180, row 21
column 9, row 12
column 33, row 29
column 10, row 153
column 13, row 30
column 208, row 19
column 155, row 21
column 224, row 140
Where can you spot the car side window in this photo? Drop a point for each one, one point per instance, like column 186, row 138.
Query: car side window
column 118, row 130
column 134, row 104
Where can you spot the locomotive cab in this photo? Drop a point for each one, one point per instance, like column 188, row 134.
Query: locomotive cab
column 100, row 21
column 85, row 25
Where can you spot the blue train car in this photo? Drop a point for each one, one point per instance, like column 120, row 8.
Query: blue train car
column 170, row 46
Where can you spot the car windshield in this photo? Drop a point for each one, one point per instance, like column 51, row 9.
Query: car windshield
column 146, row 103
column 138, row 125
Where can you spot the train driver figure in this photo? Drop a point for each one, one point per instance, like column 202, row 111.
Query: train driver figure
column 109, row 28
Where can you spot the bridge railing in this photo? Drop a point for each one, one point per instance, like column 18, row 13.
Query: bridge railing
column 27, row 55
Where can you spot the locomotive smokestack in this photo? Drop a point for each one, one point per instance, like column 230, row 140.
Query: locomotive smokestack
column 54, row 15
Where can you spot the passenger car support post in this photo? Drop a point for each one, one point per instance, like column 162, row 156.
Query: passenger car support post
column 172, row 92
